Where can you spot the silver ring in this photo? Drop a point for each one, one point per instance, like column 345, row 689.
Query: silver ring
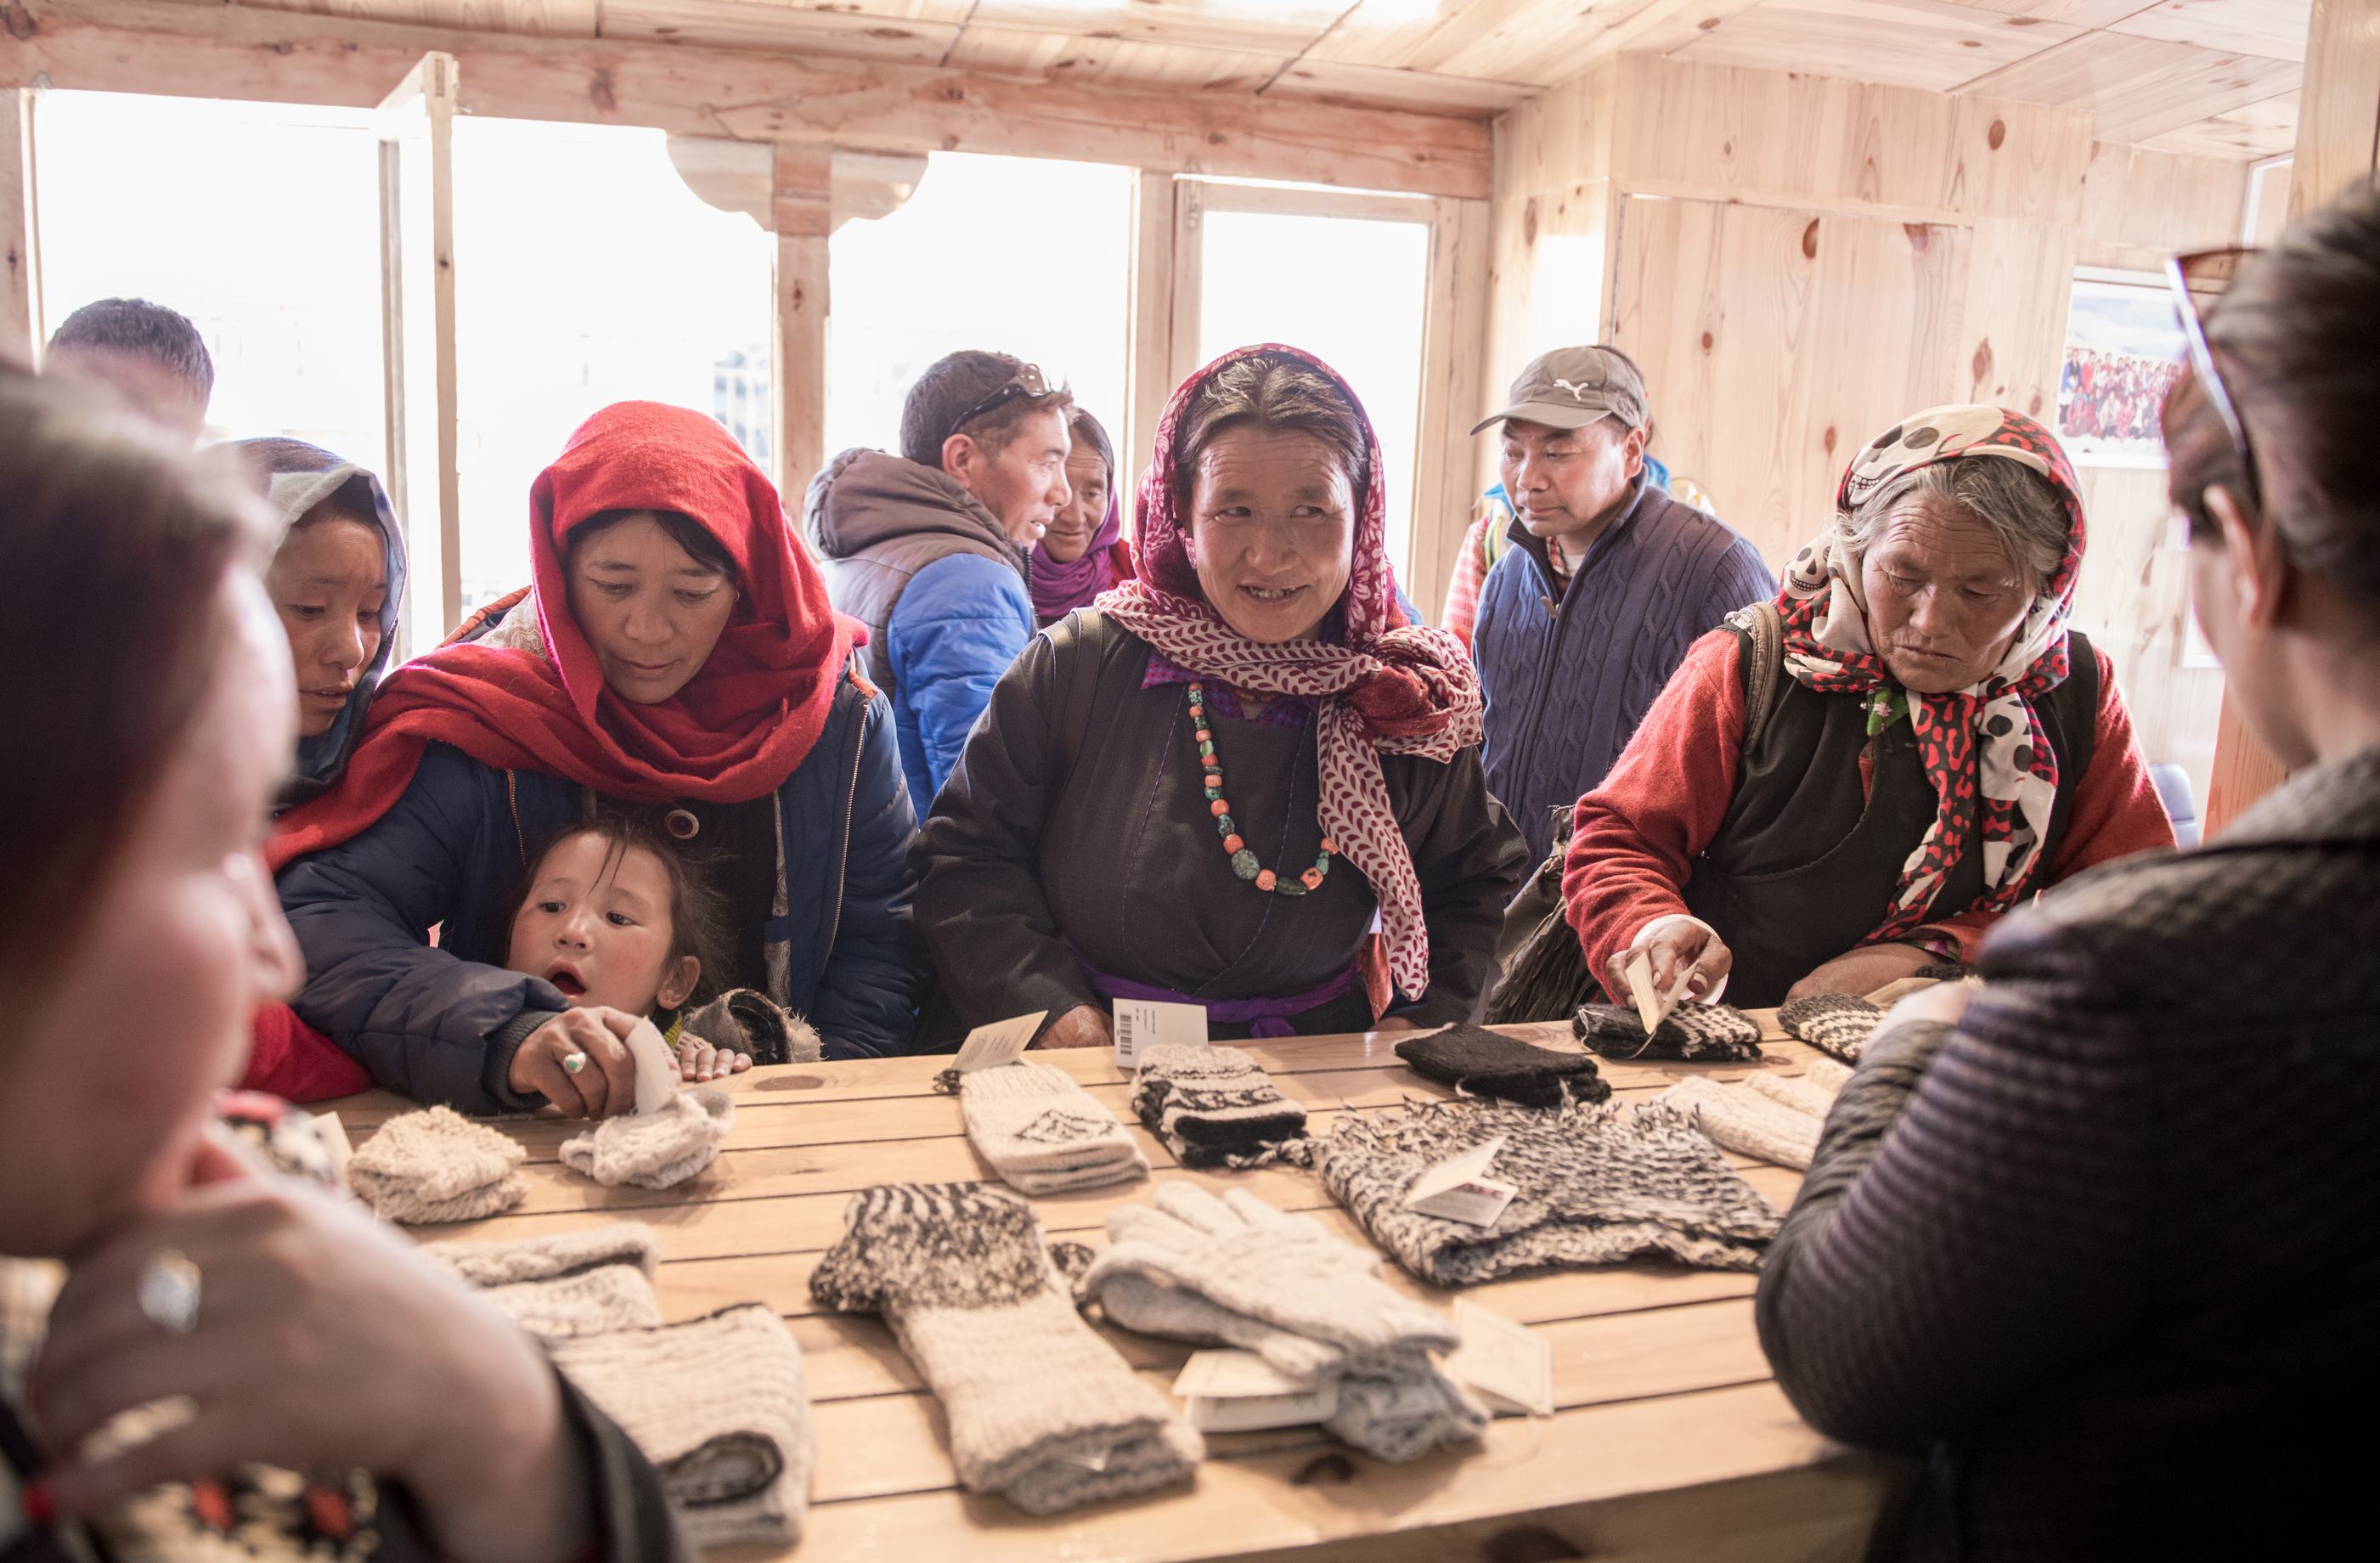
column 573, row 1063
column 168, row 1291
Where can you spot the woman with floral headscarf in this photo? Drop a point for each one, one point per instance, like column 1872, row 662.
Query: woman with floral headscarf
column 1206, row 789
column 1083, row 552
column 1932, row 743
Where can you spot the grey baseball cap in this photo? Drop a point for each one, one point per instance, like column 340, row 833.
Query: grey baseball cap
column 1571, row 387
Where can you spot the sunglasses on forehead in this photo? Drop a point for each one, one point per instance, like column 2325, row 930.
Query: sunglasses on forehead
column 2199, row 280
column 1027, row 382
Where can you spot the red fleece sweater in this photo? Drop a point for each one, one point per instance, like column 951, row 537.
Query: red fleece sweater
column 297, row 1063
column 1634, row 838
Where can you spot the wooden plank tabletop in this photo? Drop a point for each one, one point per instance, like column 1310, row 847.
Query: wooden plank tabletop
column 1669, row 1440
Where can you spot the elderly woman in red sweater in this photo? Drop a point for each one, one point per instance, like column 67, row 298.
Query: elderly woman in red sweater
column 1932, row 743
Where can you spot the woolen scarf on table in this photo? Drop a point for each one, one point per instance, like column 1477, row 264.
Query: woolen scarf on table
column 536, row 700
column 1060, row 588
column 1382, row 684
column 1987, row 733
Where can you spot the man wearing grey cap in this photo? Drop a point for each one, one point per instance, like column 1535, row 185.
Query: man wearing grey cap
column 1608, row 582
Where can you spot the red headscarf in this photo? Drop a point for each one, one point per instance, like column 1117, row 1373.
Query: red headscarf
column 734, row 733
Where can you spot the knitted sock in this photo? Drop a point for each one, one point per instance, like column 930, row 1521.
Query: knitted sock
column 1691, row 1034
column 655, row 1150
column 1747, row 1121
column 1473, row 1058
column 1214, row 1106
column 1598, row 1184
column 718, row 1404
column 568, row 1284
column 1040, row 1409
column 437, row 1166
column 751, row 1022
column 1042, row 1132
column 1835, row 1024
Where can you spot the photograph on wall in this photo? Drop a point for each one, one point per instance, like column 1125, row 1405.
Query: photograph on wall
column 2123, row 352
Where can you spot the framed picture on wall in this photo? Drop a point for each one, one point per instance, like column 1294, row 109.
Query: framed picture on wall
column 2123, row 352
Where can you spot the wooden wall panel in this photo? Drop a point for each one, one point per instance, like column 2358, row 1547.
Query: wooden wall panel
column 20, row 283
column 2010, row 347
column 1928, row 43
column 1550, row 226
column 2139, row 206
column 1454, row 393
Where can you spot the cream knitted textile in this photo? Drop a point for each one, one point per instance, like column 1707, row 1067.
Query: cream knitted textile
column 654, row 1150
column 1040, row 1409
column 1042, row 1132
column 567, row 1284
column 1598, row 1184
column 718, row 1404
column 1773, row 1118
column 437, row 1166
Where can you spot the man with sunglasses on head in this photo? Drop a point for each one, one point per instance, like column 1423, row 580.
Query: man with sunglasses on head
column 927, row 548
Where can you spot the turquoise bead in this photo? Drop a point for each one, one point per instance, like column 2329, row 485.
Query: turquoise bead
column 1243, row 863
column 1288, row 887
column 1207, row 750
column 1223, row 825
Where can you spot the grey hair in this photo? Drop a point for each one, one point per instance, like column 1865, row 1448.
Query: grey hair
column 2015, row 501
column 1274, row 394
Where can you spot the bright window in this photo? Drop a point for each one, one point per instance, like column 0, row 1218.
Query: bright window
column 1009, row 254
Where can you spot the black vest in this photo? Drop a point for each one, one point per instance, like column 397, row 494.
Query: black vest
column 1803, row 869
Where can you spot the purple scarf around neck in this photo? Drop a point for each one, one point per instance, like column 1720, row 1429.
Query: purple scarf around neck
column 1058, row 589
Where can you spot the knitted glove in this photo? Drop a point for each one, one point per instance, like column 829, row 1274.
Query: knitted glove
column 567, row 1284
column 718, row 1404
column 751, row 1022
column 655, row 1150
column 1835, row 1024
column 1042, row 1132
column 1040, row 1409
column 1691, row 1034
column 1214, row 1106
column 1812, row 1090
column 1475, row 1060
column 1741, row 1120
column 437, row 1166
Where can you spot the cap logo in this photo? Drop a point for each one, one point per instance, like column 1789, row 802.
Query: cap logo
column 1577, row 392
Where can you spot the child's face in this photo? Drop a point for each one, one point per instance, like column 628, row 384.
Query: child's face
column 601, row 931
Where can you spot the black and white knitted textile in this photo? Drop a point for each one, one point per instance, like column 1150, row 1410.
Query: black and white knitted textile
column 1598, row 1184
column 1691, row 1034
column 1835, row 1024
column 1040, row 1409
column 1473, row 1059
column 1216, row 1107
column 1042, row 1132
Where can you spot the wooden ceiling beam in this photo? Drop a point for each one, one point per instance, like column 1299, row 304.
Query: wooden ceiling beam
column 236, row 51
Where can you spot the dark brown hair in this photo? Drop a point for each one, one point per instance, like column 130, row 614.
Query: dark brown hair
column 698, row 916
column 1274, row 394
column 2297, row 338
column 113, row 545
column 134, row 328
column 934, row 409
column 683, row 530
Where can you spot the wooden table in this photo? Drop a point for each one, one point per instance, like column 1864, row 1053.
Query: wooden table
column 1671, row 1441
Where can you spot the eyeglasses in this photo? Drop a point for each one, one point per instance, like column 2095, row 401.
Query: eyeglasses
column 2198, row 280
column 1027, row 382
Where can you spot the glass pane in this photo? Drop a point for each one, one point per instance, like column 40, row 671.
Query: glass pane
column 1010, row 254
column 586, row 273
column 260, row 223
column 1352, row 291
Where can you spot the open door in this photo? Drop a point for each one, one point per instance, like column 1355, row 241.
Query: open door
column 416, row 204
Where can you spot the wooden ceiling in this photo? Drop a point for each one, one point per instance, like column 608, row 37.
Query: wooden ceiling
column 2215, row 77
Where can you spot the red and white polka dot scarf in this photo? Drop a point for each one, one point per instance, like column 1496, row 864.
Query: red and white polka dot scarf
column 1384, row 684
column 1982, row 745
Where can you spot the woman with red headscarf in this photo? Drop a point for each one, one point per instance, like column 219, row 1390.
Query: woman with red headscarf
column 1206, row 789
column 676, row 651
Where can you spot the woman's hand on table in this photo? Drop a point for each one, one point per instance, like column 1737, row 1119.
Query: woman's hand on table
column 322, row 1339
column 1862, row 971
column 1085, row 1025
column 697, row 1059
column 604, row 1084
column 1675, row 946
column 1396, row 1022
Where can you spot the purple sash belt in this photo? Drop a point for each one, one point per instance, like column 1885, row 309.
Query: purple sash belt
column 1263, row 1017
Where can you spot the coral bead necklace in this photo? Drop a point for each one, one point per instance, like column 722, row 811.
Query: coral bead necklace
column 1244, row 862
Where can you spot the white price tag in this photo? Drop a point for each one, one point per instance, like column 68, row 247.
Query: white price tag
column 1459, row 1189
column 1227, row 1374
column 656, row 1068
column 1246, row 1414
column 1151, row 1023
column 999, row 1044
column 336, row 1144
column 1512, row 1366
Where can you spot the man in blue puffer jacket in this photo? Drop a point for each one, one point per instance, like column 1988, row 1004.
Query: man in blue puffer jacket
column 926, row 549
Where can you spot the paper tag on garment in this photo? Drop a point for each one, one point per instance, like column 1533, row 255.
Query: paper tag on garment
column 656, row 1068
column 1227, row 1374
column 999, row 1044
column 1247, row 1413
column 1510, row 1364
column 1150, row 1023
column 1459, row 1189
column 336, row 1144
column 1639, row 983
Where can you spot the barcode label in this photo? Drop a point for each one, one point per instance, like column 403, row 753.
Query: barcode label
column 1149, row 1023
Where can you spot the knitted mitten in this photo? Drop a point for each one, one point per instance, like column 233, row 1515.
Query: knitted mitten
column 1691, row 1034
column 751, row 1022
column 719, row 1406
column 1739, row 1118
column 1835, row 1024
column 1812, row 1090
column 655, row 1150
column 1040, row 1409
column 565, row 1284
column 437, row 1166
column 1214, row 1106
column 1042, row 1132
column 1478, row 1060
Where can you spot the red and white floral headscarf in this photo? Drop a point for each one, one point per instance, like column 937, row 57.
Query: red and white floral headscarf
column 1987, row 737
column 1383, row 685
